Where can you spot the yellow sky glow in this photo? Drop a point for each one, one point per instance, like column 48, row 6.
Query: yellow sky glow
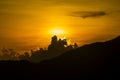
column 57, row 32
column 26, row 25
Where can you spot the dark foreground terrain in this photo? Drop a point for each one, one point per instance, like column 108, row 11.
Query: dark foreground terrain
column 97, row 60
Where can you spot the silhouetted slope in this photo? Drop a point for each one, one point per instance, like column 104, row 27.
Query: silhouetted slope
column 97, row 59
column 96, row 51
column 101, row 58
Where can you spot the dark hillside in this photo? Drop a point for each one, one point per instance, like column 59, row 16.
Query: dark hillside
column 100, row 59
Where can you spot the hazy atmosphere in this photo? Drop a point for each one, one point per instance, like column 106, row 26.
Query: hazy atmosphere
column 30, row 24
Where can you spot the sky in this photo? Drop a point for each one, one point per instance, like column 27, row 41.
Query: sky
column 30, row 24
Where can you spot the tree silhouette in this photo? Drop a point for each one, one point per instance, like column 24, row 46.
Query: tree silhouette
column 75, row 45
column 56, row 48
column 9, row 54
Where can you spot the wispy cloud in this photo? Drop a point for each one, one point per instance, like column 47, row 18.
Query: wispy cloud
column 87, row 14
column 92, row 14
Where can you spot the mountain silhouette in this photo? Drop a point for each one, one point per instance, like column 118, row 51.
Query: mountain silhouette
column 100, row 59
column 99, row 51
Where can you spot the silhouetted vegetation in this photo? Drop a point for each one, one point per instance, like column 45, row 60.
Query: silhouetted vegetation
column 9, row 54
column 56, row 48
column 100, row 59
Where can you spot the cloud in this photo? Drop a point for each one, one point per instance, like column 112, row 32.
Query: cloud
column 87, row 14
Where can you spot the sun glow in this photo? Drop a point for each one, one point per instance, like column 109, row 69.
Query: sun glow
column 57, row 32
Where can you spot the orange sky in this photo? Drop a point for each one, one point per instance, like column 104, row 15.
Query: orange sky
column 26, row 25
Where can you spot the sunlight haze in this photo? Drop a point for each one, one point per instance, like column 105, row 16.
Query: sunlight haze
column 30, row 24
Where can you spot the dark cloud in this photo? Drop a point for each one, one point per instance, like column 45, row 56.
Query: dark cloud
column 87, row 14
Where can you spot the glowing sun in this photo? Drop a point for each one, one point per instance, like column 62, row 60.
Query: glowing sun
column 57, row 32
